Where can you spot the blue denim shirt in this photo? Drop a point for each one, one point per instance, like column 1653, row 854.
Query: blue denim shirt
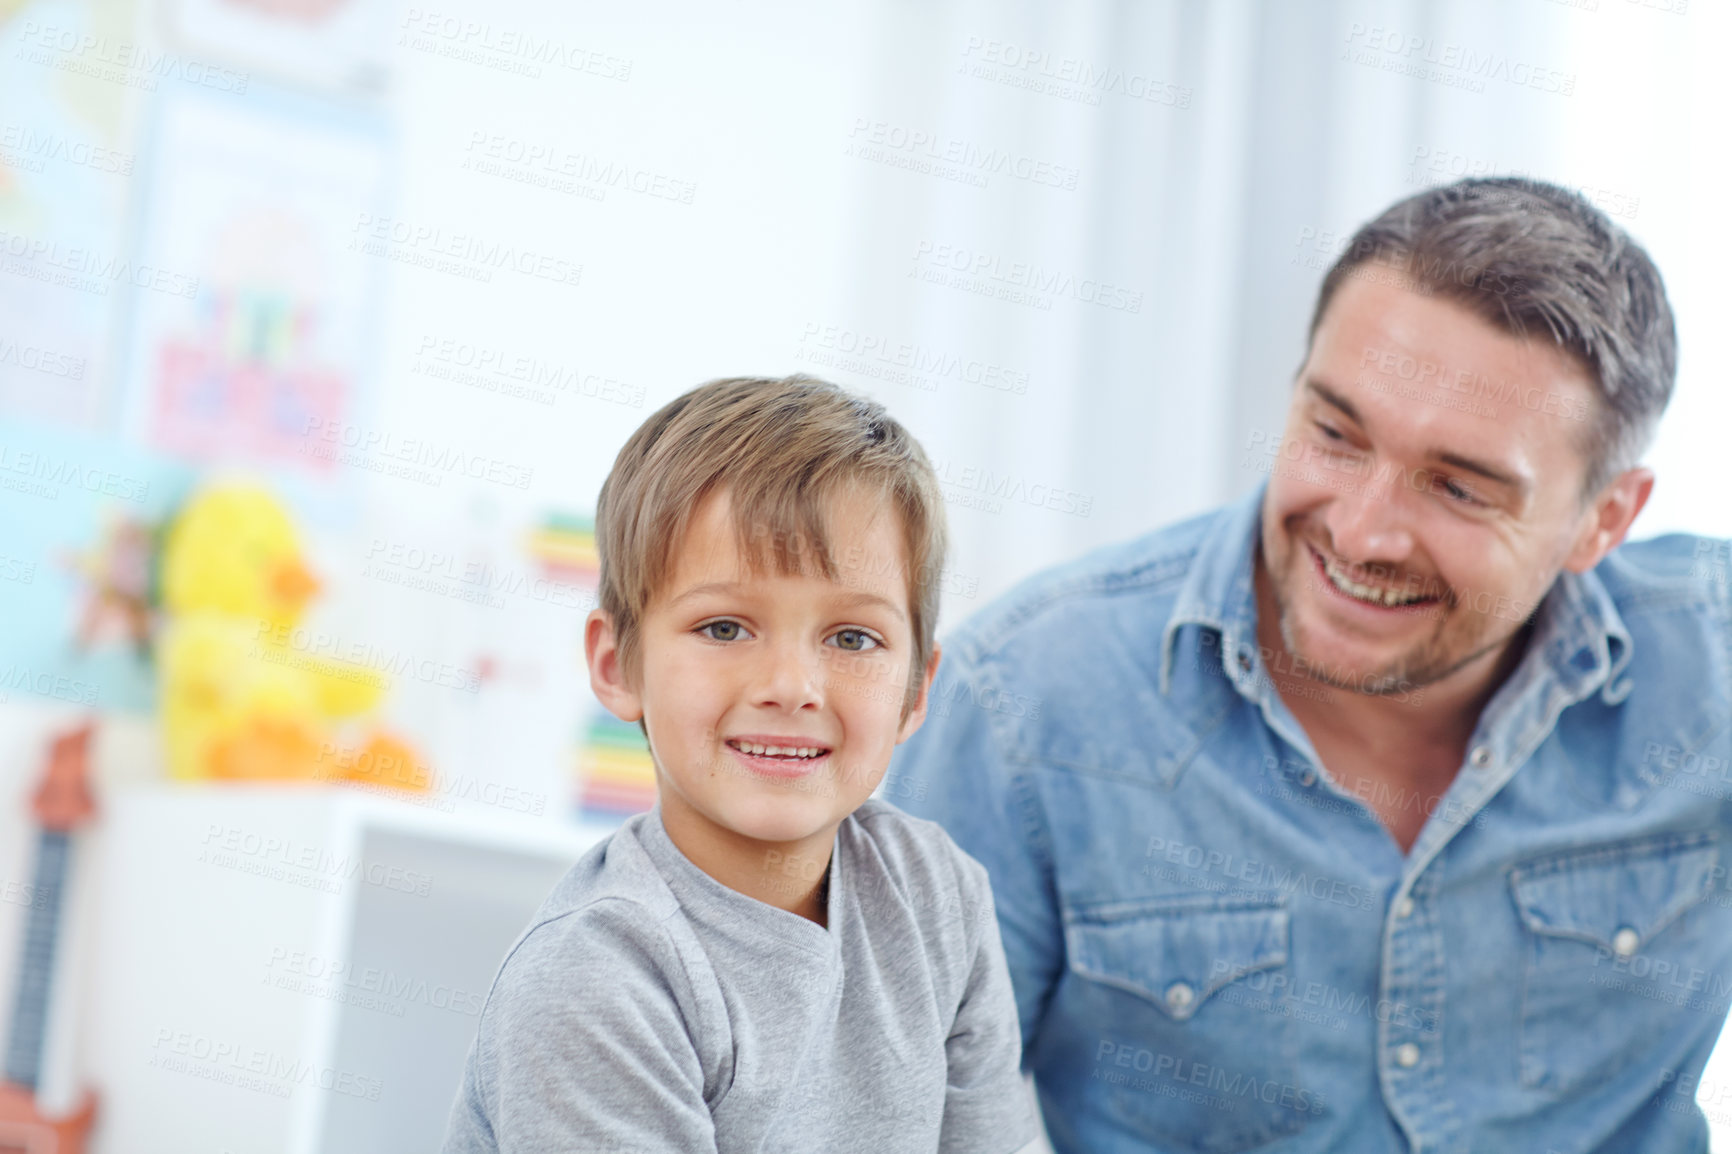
column 1216, row 946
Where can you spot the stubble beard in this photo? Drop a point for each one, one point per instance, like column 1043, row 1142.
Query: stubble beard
column 1424, row 663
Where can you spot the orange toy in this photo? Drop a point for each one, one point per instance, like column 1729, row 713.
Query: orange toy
column 62, row 803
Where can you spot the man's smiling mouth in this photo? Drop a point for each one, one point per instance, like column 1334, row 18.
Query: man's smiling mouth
column 1339, row 576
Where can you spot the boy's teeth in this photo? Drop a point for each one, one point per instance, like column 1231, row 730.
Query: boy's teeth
column 758, row 750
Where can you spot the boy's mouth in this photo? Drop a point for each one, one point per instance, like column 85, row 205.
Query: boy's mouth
column 789, row 752
column 779, row 756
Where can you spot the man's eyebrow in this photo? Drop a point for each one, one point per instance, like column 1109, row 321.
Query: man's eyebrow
column 1472, row 465
column 1480, row 468
column 1330, row 397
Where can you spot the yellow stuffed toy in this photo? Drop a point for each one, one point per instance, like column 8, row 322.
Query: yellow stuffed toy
column 239, row 699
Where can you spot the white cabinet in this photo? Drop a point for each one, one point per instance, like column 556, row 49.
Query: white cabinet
column 297, row 969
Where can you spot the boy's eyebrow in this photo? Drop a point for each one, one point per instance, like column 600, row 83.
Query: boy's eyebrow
column 701, row 590
column 855, row 597
column 874, row 599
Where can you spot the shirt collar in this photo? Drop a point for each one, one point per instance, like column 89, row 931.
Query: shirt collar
column 744, row 914
column 1217, row 591
column 1578, row 634
column 1581, row 640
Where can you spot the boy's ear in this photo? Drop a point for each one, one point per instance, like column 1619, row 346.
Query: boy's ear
column 918, row 713
column 606, row 672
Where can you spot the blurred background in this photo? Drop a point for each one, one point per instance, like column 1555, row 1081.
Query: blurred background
column 321, row 322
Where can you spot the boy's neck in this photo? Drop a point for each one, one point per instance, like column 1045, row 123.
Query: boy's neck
column 787, row 875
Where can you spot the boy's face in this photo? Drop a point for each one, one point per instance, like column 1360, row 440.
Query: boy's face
column 773, row 702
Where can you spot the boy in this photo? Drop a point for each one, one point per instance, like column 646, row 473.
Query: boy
column 770, row 959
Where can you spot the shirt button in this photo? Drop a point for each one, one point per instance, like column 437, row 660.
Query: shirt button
column 1404, row 907
column 1625, row 941
column 1309, row 777
column 1245, row 660
column 1407, row 1055
column 1180, row 996
column 1481, row 756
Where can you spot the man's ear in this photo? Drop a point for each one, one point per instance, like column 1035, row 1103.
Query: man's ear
column 606, row 671
column 918, row 713
column 1607, row 521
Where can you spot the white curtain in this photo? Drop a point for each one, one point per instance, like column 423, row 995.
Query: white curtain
column 1221, row 153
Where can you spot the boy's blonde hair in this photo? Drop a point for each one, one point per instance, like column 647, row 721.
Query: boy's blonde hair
column 781, row 449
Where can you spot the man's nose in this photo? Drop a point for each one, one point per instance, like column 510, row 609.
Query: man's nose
column 1370, row 525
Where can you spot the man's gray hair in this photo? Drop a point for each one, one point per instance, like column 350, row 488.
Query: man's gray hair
column 1532, row 257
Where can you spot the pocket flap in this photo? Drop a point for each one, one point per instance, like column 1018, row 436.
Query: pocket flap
column 1176, row 954
column 1618, row 897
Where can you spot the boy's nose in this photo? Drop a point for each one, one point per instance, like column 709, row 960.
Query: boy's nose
column 790, row 677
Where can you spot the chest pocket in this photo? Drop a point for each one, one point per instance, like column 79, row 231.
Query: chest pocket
column 1192, row 1046
column 1623, row 952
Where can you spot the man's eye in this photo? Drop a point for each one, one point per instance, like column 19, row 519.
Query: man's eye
column 1459, row 492
column 722, row 630
column 854, row 640
column 1330, row 432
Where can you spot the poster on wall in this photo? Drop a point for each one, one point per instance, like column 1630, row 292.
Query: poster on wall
column 66, row 174
column 336, row 45
column 272, row 334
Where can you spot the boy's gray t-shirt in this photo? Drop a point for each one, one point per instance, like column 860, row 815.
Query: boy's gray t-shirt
column 650, row 1008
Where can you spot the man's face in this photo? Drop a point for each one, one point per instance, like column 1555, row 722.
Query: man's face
column 1426, row 490
column 773, row 702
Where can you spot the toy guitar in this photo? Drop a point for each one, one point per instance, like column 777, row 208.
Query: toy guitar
column 62, row 802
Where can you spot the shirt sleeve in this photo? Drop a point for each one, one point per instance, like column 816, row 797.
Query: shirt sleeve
column 583, row 1045
column 986, row 1105
column 952, row 771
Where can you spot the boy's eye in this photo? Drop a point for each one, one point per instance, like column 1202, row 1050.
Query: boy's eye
column 722, row 630
column 854, row 640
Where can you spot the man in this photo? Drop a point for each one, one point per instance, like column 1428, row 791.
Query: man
column 1387, row 809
